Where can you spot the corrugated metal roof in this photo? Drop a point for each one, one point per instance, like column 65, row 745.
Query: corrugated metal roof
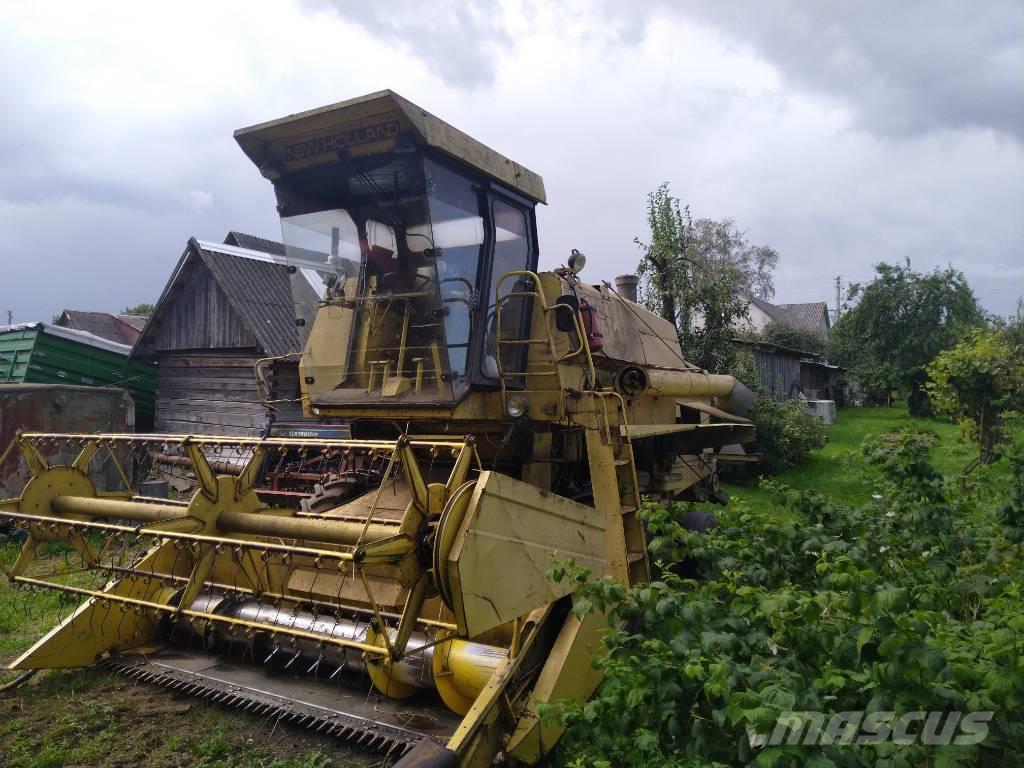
column 803, row 316
column 806, row 316
column 254, row 243
column 138, row 322
column 82, row 337
column 258, row 286
column 768, row 308
column 123, row 329
column 261, row 293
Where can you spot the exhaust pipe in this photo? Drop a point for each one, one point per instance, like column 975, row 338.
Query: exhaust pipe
column 625, row 286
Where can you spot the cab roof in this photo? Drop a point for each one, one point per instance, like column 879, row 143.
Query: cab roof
column 373, row 124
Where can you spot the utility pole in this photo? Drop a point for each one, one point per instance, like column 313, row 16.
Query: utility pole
column 839, row 290
column 10, row 317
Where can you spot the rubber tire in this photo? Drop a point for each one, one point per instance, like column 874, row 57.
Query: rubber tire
column 699, row 521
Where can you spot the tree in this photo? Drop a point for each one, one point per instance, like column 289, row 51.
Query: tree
column 977, row 382
column 699, row 275
column 143, row 310
column 901, row 320
column 786, row 335
column 1013, row 325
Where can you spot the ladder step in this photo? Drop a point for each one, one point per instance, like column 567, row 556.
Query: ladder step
column 628, row 510
column 634, row 557
column 622, row 462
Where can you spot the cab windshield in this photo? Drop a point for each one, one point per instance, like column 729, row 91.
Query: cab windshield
column 399, row 258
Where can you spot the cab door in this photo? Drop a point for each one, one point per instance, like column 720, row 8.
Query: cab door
column 511, row 247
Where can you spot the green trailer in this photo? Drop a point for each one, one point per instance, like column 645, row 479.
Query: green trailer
column 41, row 353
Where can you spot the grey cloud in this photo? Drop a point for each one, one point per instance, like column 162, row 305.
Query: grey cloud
column 904, row 67
column 108, row 206
column 457, row 39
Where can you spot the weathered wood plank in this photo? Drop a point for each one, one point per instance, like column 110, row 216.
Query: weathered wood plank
column 192, row 428
column 202, row 360
column 208, row 417
column 199, row 316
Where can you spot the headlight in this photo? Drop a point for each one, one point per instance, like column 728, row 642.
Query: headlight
column 517, row 406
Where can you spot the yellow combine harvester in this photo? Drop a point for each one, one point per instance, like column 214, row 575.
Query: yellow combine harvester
column 500, row 417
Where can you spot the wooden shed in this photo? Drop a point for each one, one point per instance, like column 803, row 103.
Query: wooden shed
column 224, row 307
column 822, row 381
column 778, row 368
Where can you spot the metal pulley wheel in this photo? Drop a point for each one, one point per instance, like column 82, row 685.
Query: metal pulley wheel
column 447, row 530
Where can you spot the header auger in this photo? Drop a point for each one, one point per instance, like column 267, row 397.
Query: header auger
column 501, row 417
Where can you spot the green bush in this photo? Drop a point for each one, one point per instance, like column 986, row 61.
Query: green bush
column 786, row 433
column 978, row 382
column 910, row 603
column 786, row 335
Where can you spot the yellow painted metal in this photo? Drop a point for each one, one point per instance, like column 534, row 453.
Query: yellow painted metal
column 272, row 145
column 243, row 517
column 204, row 441
column 515, row 529
column 324, row 362
column 492, row 716
column 485, row 541
column 461, row 670
column 99, row 625
column 568, row 673
column 46, row 523
column 553, row 360
column 446, row 561
column 384, row 670
column 33, row 458
column 677, row 383
column 86, row 455
column 105, row 599
column 604, row 482
column 449, row 527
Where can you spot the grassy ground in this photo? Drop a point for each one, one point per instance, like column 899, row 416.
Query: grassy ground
column 99, row 719
column 94, row 718
column 837, row 472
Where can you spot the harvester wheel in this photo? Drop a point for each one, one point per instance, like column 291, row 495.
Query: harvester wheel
column 333, row 493
column 699, row 521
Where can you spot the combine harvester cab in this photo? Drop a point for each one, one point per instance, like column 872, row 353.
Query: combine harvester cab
column 500, row 419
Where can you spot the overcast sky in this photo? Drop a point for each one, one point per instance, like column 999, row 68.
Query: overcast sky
column 841, row 133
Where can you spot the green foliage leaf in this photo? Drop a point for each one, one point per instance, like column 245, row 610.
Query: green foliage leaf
column 909, row 602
